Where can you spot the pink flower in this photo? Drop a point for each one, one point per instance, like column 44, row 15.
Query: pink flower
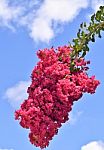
column 52, row 92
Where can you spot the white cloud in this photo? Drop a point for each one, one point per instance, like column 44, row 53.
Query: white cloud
column 9, row 13
column 6, row 149
column 39, row 17
column 54, row 12
column 73, row 117
column 96, row 4
column 42, row 18
column 95, row 145
column 17, row 93
column 41, row 30
column 62, row 10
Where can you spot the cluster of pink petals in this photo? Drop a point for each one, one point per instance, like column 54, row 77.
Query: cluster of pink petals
column 52, row 92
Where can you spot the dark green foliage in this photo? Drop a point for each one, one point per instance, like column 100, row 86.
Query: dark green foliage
column 87, row 33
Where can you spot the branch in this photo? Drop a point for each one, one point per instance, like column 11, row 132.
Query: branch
column 86, row 34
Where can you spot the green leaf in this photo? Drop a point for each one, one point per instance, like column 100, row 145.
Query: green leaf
column 93, row 38
column 81, row 25
column 92, row 18
column 99, row 34
column 86, row 34
column 85, row 24
column 98, row 16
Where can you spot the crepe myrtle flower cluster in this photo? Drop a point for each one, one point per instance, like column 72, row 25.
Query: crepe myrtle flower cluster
column 52, row 92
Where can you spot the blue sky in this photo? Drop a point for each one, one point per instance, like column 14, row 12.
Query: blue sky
column 25, row 27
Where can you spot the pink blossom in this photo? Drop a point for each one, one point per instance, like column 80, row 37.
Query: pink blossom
column 52, row 92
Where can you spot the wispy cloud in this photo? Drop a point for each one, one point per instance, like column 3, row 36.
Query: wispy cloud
column 17, row 93
column 74, row 117
column 96, row 4
column 53, row 12
column 40, row 18
column 95, row 145
column 9, row 13
column 6, row 149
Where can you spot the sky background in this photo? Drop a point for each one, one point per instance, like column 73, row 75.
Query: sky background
column 25, row 27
